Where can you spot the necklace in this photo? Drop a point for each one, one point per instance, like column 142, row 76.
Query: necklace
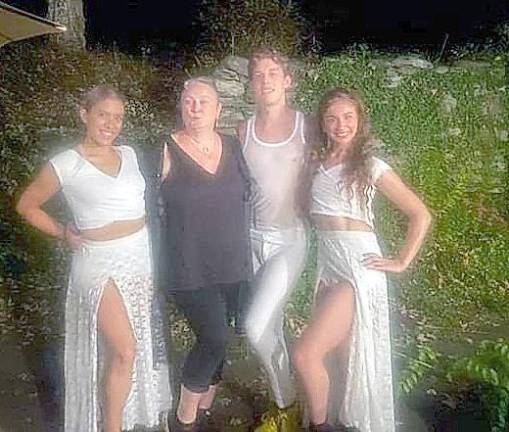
column 205, row 149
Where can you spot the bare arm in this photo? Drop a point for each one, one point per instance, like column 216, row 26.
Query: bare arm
column 29, row 206
column 419, row 220
column 241, row 132
column 166, row 161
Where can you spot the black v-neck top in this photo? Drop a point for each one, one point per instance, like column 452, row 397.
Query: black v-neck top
column 204, row 237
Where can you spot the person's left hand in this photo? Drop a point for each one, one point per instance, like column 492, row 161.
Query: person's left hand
column 376, row 262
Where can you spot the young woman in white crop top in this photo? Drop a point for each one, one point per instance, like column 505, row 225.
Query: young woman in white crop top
column 116, row 372
column 343, row 358
column 277, row 154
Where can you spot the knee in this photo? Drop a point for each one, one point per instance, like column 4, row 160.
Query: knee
column 303, row 356
column 123, row 357
column 216, row 342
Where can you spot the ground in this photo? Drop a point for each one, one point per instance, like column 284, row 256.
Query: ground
column 244, row 391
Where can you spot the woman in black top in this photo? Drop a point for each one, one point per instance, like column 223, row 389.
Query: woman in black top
column 204, row 252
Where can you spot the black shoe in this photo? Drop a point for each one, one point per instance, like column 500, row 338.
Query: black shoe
column 205, row 421
column 326, row 427
column 175, row 425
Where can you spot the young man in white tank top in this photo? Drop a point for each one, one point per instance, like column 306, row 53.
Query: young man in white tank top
column 275, row 148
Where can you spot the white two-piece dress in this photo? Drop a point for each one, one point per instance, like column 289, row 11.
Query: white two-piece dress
column 363, row 396
column 97, row 199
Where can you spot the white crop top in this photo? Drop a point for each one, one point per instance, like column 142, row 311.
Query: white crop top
column 330, row 197
column 96, row 198
column 277, row 170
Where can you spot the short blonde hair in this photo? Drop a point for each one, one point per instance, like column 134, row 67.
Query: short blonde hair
column 201, row 80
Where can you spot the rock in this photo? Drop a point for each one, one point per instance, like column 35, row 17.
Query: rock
column 503, row 135
column 411, row 62
column 236, row 64
column 233, row 116
column 380, row 63
column 229, row 88
column 454, row 132
column 441, row 70
column 470, row 64
column 393, row 78
column 225, row 74
column 235, row 103
column 493, row 106
column 449, row 103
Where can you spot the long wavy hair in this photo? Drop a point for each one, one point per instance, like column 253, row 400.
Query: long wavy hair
column 357, row 165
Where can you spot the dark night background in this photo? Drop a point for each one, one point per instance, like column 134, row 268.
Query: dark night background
column 129, row 24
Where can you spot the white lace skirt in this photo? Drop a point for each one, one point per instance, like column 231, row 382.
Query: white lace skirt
column 126, row 261
column 362, row 396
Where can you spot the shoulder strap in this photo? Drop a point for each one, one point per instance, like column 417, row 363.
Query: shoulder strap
column 249, row 126
column 235, row 147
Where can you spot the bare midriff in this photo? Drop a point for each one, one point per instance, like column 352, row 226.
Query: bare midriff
column 338, row 223
column 114, row 230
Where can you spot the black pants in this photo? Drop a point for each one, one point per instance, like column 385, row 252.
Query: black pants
column 208, row 311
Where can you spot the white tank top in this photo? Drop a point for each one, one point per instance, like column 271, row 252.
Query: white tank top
column 330, row 197
column 96, row 198
column 276, row 169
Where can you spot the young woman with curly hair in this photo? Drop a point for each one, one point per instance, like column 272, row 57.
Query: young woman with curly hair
column 343, row 358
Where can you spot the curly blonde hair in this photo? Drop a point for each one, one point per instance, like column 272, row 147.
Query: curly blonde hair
column 357, row 167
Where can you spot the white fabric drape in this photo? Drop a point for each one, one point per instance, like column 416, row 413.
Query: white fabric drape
column 363, row 396
column 126, row 261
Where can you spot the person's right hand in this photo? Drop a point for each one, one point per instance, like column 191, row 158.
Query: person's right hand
column 72, row 236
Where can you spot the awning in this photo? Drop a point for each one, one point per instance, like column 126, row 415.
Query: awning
column 16, row 24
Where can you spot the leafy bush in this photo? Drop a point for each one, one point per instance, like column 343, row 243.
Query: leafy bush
column 484, row 371
column 236, row 27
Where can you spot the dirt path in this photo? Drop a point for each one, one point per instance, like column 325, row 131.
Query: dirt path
column 23, row 403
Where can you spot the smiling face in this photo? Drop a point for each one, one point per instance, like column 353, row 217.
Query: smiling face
column 200, row 107
column 269, row 82
column 340, row 122
column 103, row 121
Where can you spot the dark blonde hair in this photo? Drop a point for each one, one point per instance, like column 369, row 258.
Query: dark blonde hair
column 357, row 166
column 268, row 53
column 99, row 93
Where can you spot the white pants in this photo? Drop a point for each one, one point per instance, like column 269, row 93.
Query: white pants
column 279, row 257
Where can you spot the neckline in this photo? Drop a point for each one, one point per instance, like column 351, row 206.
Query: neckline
column 118, row 150
column 337, row 165
column 280, row 143
column 195, row 163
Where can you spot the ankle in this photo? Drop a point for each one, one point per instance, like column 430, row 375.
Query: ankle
column 185, row 419
column 320, row 427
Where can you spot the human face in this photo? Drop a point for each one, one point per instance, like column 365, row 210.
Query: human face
column 340, row 122
column 103, row 121
column 200, row 107
column 269, row 82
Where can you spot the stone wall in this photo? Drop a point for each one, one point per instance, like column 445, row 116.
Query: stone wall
column 232, row 81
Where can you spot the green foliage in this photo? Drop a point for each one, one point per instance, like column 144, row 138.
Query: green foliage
column 488, row 367
column 236, row 27
column 486, row 370
column 419, row 365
